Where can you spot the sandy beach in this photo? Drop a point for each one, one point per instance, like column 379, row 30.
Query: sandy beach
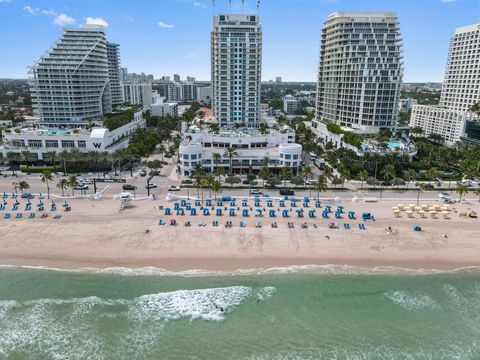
column 96, row 234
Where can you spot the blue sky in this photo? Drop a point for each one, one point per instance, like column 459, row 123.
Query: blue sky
column 163, row 37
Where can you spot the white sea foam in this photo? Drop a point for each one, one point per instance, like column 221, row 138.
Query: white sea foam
column 326, row 269
column 412, row 301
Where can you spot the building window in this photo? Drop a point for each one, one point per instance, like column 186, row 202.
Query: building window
column 288, row 156
column 185, row 157
column 51, row 143
column 193, row 156
column 35, row 143
column 68, row 144
column 18, row 143
column 295, row 157
column 81, row 144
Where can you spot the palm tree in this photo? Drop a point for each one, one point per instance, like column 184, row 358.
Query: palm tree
column 216, row 158
column 328, row 172
column 285, row 175
column 477, row 192
column 409, row 175
column 344, row 173
column 216, row 187
column 52, row 155
column 72, row 181
column 75, row 156
column 23, row 185
column 321, row 185
column 461, row 190
column 264, row 174
column 306, row 173
column 45, row 178
column 198, row 183
column 26, row 156
column 362, row 175
column 265, row 161
column 64, row 156
column 388, row 172
column 421, row 187
column 11, row 157
column 219, row 171
column 15, row 186
column 94, row 156
column 230, row 152
column 62, row 184
column 431, row 174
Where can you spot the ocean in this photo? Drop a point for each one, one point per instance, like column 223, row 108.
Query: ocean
column 293, row 313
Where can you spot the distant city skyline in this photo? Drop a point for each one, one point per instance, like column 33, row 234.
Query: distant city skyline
column 173, row 36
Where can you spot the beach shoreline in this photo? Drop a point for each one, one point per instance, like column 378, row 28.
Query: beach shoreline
column 95, row 234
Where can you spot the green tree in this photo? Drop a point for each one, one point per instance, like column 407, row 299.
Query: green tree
column 286, row 174
column 388, row 172
column 62, row 185
column 216, row 187
column 362, row 175
column 15, row 186
column 12, row 157
column 477, row 193
column 217, row 157
column 409, row 175
column 45, row 178
column 52, row 156
column 64, row 157
column 306, row 173
column 264, row 174
column 72, row 181
column 26, row 157
column 321, row 185
column 230, row 152
column 431, row 174
column 219, row 172
column 23, row 185
column 461, row 190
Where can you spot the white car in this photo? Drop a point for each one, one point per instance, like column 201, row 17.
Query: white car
column 445, row 196
column 255, row 191
column 86, row 181
column 173, row 188
column 311, row 182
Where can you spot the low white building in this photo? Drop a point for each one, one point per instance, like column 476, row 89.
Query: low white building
column 5, row 123
column 41, row 140
column 291, row 105
column 252, row 147
column 161, row 108
column 407, row 104
column 448, row 123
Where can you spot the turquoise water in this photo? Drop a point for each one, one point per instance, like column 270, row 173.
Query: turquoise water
column 394, row 145
column 62, row 315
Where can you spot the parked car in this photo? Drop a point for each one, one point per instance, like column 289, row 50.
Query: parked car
column 187, row 182
column 429, row 186
column 143, row 173
column 287, row 192
column 151, row 186
column 126, row 167
column 129, row 187
column 86, row 181
column 246, row 182
column 311, row 182
column 80, row 187
column 173, row 188
column 254, row 191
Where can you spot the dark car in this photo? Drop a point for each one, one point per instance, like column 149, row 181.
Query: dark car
column 287, row 192
column 246, row 182
column 187, row 182
column 143, row 173
column 429, row 186
column 129, row 187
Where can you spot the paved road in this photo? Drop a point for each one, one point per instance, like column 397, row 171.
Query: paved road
column 169, row 177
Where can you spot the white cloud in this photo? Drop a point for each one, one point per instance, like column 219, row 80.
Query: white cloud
column 63, row 19
column 447, row 1
column 129, row 18
column 49, row 12
column 30, row 9
column 193, row 56
column 96, row 21
column 165, row 25
column 4, row 1
column 198, row 4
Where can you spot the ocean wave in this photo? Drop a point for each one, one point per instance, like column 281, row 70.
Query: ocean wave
column 326, row 269
column 412, row 302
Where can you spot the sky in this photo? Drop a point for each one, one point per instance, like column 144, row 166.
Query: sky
column 163, row 37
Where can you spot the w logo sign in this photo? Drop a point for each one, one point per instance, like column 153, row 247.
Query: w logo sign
column 97, row 145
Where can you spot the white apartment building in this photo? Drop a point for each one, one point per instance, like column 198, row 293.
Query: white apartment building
column 439, row 120
column 236, row 51
column 164, row 108
column 460, row 90
column 70, row 83
column 113, row 55
column 138, row 94
column 204, row 94
column 461, row 86
column 360, row 71
column 42, row 139
column 252, row 147
column 407, row 104
column 291, row 105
